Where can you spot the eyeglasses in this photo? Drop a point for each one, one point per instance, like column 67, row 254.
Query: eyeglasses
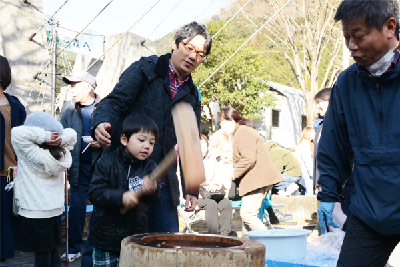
column 200, row 54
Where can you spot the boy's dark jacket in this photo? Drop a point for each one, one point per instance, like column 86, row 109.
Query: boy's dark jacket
column 108, row 184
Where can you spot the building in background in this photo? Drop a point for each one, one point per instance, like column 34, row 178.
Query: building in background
column 285, row 122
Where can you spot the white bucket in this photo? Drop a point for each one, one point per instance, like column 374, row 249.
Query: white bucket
column 282, row 244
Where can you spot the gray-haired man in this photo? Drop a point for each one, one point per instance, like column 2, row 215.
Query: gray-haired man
column 78, row 117
column 363, row 116
column 152, row 86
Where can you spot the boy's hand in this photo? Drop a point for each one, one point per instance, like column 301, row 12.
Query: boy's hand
column 129, row 199
column 148, row 187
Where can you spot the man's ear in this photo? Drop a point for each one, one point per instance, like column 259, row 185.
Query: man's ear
column 391, row 27
column 173, row 45
column 124, row 140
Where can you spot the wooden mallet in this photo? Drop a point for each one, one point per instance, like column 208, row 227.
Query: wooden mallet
column 189, row 149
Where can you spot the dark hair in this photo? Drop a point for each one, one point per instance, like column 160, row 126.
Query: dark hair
column 5, row 73
column 230, row 114
column 203, row 137
column 56, row 151
column 190, row 31
column 375, row 13
column 247, row 122
column 138, row 123
column 323, row 94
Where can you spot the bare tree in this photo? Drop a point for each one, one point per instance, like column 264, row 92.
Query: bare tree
column 308, row 38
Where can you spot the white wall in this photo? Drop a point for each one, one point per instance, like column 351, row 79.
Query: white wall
column 18, row 21
column 289, row 131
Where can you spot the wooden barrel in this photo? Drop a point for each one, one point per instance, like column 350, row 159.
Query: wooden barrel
column 190, row 250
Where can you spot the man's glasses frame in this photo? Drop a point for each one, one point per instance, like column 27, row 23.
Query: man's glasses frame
column 200, row 54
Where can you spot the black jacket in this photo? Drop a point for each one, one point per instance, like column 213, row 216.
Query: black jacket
column 109, row 182
column 144, row 88
column 18, row 116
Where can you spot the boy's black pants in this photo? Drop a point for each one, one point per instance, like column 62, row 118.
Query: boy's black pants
column 365, row 247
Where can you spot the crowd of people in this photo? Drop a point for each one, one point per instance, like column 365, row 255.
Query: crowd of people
column 110, row 146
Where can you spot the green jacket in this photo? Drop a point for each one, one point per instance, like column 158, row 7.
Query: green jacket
column 284, row 159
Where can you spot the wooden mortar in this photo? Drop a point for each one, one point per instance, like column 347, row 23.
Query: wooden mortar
column 190, row 250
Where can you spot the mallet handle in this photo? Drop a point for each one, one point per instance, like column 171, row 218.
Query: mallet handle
column 156, row 174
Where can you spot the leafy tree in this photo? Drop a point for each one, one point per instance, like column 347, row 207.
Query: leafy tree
column 239, row 83
column 306, row 35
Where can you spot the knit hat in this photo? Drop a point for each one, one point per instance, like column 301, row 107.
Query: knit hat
column 44, row 121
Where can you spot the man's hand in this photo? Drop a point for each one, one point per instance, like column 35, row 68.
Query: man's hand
column 94, row 144
column 325, row 210
column 191, row 202
column 148, row 187
column 55, row 139
column 129, row 199
column 101, row 134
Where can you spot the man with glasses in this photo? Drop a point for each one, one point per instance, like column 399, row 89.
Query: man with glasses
column 152, row 86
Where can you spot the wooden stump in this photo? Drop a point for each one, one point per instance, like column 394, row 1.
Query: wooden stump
column 190, row 250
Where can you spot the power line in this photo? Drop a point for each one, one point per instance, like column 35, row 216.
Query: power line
column 123, row 34
column 34, row 34
column 204, row 10
column 65, row 47
column 231, row 18
column 223, row 64
column 162, row 21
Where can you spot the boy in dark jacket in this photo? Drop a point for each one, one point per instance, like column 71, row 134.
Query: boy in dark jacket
column 117, row 178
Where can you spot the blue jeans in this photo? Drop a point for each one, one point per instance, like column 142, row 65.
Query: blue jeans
column 77, row 210
column 163, row 216
column 287, row 180
column 87, row 256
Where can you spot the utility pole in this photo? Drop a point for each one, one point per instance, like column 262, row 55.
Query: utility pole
column 53, row 90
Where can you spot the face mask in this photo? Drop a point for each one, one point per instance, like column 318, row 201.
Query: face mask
column 381, row 66
column 228, row 127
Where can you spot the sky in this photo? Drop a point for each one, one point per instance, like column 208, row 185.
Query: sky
column 120, row 15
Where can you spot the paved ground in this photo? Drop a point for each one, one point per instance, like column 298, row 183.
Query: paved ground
column 28, row 259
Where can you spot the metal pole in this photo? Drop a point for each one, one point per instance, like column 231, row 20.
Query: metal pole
column 53, row 91
column 66, row 218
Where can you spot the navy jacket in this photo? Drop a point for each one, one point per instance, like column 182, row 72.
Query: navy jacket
column 144, row 88
column 18, row 116
column 109, row 182
column 364, row 116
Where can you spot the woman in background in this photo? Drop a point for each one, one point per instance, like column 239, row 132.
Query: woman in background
column 254, row 172
column 12, row 114
column 305, row 152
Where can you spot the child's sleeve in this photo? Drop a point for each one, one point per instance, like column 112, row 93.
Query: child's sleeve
column 100, row 193
column 68, row 138
column 25, row 141
column 151, row 199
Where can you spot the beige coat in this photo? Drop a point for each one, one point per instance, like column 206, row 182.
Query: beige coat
column 253, row 165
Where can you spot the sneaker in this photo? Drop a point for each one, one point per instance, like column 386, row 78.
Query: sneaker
column 71, row 257
column 282, row 217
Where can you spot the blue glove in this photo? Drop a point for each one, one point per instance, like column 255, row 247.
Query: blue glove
column 325, row 210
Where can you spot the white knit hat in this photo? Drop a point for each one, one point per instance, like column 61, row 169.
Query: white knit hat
column 44, row 121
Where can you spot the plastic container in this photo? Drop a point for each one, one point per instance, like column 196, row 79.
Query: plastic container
column 282, row 244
